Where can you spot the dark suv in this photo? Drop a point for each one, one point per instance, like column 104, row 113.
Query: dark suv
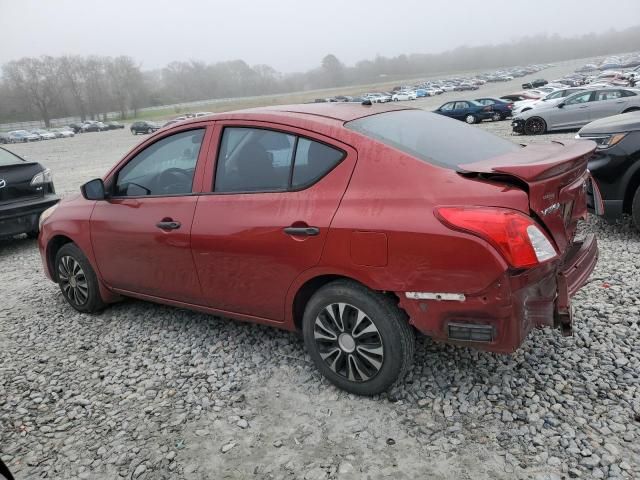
column 143, row 127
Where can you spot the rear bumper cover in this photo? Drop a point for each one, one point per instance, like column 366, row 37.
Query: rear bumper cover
column 513, row 305
column 22, row 217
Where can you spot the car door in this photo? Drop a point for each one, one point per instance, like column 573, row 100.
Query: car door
column 447, row 109
column 460, row 110
column 265, row 223
column 607, row 102
column 141, row 234
column 573, row 112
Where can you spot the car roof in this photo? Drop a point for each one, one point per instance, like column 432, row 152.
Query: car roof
column 331, row 111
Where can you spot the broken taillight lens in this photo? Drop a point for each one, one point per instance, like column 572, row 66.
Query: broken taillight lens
column 516, row 236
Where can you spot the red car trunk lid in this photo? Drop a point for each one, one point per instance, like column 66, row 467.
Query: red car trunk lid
column 556, row 177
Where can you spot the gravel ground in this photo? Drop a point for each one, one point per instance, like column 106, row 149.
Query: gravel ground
column 151, row 392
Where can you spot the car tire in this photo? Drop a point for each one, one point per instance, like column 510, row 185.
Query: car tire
column 635, row 209
column 470, row 119
column 149, row 131
column 496, row 117
column 133, row 132
column 535, row 126
column 33, row 234
column 77, row 279
column 369, row 362
column 395, row 99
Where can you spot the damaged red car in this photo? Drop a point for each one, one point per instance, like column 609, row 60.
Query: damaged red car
column 360, row 226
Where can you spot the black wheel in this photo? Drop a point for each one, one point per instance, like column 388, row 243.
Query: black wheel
column 33, row 234
column 77, row 279
column 535, row 126
column 635, row 209
column 395, row 99
column 149, row 131
column 496, row 117
column 470, row 119
column 359, row 339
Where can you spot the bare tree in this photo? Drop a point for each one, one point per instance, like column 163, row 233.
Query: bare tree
column 73, row 73
column 37, row 81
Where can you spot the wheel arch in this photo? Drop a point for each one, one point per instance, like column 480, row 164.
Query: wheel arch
column 632, row 185
column 53, row 246
column 300, row 294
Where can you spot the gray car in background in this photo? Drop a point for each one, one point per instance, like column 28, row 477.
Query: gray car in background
column 576, row 110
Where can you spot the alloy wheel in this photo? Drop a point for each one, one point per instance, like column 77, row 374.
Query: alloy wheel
column 73, row 280
column 535, row 126
column 349, row 342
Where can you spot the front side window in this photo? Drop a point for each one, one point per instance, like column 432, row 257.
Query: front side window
column 447, row 107
column 164, row 168
column 260, row 160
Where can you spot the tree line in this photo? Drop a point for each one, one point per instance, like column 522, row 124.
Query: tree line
column 48, row 87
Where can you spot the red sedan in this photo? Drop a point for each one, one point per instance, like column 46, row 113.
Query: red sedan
column 358, row 225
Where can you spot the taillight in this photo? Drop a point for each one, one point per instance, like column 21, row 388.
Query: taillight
column 516, row 236
column 509, row 106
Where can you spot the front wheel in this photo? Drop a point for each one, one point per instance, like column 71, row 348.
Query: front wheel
column 535, row 126
column 77, row 279
column 359, row 339
column 149, row 131
column 470, row 119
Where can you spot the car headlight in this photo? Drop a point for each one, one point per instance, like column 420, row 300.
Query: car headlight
column 41, row 178
column 604, row 141
column 46, row 214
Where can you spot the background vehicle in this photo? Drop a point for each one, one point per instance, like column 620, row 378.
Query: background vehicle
column 43, row 134
column 76, row 127
column 94, row 127
column 539, row 82
column 404, row 95
column 63, row 132
column 501, row 108
column 289, row 225
column 26, row 190
column 616, row 163
column 114, row 126
column 466, row 110
column 143, row 127
column 22, row 136
column 576, row 110
column 557, row 96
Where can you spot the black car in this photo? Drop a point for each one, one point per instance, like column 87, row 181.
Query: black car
column 616, row 163
column 539, row 82
column 76, row 127
column 26, row 190
column 501, row 108
column 143, row 127
column 114, row 125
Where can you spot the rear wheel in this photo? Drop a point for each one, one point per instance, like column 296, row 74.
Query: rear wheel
column 77, row 279
column 470, row 119
column 359, row 339
column 496, row 117
column 535, row 126
column 635, row 209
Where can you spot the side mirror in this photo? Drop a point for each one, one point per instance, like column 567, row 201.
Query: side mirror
column 561, row 104
column 93, row 190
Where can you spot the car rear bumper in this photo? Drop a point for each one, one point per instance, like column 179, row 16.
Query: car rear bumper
column 22, row 217
column 499, row 318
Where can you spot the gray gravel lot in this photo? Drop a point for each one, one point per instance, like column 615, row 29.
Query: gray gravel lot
column 152, row 392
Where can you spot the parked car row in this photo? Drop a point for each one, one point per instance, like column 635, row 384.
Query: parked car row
column 24, row 136
column 430, row 88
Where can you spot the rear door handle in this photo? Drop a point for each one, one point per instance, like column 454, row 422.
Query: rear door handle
column 168, row 225
column 302, row 231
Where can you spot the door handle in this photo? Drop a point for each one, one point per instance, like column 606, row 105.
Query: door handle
column 302, row 231
column 583, row 106
column 168, row 225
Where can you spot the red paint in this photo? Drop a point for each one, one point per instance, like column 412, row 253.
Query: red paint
column 376, row 221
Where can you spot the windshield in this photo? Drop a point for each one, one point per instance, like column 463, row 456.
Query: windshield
column 8, row 158
column 432, row 138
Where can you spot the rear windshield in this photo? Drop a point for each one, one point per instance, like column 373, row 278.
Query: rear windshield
column 8, row 158
column 432, row 138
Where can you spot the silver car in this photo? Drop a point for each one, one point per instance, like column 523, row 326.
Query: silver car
column 576, row 110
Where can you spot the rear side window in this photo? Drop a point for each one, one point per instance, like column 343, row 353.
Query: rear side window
column 261, row 160
column 432, row 138
column 8, row 158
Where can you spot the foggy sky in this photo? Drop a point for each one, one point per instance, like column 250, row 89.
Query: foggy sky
column 289, row 35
